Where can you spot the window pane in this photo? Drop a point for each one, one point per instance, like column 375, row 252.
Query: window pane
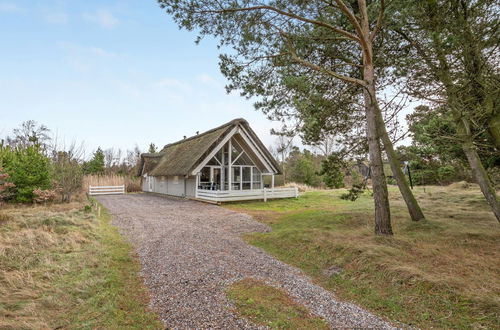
column 246, row 174
column 236, row 174
column 205, row 174
column 256, row 175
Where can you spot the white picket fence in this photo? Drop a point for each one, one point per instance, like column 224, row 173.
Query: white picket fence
column 107, row 190
column 243, row 195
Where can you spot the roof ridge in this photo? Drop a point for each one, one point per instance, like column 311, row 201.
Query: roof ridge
column 230, row 123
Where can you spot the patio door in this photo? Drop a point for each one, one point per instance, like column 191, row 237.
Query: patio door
column 215, row 175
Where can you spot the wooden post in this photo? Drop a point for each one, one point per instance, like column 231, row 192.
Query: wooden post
column 197, row 185
column 265, row 195
column 222, row 170
column 251, row 178
column 230, row 164
column 296, row 192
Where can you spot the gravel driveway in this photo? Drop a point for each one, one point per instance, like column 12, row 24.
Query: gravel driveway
column 191, row 251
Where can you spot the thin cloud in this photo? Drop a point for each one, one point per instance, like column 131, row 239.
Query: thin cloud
column 8, row 7
column 85, row 58
column 101, row 52
column 56, row 17
column 103, row 18
column 208, row 80
column 174, row 83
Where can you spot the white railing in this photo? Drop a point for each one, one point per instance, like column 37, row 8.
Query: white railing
column 242, row 195
column 106, row 190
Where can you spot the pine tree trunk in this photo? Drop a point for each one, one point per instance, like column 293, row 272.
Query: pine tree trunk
column 380, row 193
column 481, row 176
column 494, row 129
column 414, row 209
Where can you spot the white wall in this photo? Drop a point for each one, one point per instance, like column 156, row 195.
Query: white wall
column 170, row 186
column 175, row 187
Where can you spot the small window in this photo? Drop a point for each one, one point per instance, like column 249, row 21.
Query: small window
column 176, row 179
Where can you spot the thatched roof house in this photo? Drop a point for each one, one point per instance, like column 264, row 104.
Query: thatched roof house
column 227, row 158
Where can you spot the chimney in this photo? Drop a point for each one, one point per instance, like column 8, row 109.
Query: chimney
column 184, row 137
column 197, row 132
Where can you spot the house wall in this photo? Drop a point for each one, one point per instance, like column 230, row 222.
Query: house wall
column 161, row 185
column 167, row 185
column 175, row 189
column 191, row 186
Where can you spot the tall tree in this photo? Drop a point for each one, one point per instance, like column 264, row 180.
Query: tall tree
column 450, row 56
column 30, row 134
column 152, row 148
column 327, row 39
column 96, row 164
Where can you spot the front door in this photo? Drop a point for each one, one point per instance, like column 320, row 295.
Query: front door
column 150, row 179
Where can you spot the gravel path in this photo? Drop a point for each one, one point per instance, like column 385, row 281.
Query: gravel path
column 191, row 251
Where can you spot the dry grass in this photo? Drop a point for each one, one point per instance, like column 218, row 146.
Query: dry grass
column 132, row 184
column 266, row 305
column 301, row 186
column 443, row 272
column 62, row 267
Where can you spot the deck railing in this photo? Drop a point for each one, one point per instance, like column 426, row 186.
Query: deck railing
column 242, row 195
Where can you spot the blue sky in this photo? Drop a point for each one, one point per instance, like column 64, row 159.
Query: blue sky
column 111, row 74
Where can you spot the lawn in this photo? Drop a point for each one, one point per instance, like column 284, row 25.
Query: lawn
column 266, row 305
column 61, row 266
column 443, row 272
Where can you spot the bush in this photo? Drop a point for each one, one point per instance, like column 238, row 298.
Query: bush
column 44, row 196
column 6, row 187
column 332, row 170
column 353, row 193
column 446, row 173
column 29, row 169
column 68, row 175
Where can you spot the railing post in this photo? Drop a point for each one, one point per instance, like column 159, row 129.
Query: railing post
column 296, row 192
column 265, row 195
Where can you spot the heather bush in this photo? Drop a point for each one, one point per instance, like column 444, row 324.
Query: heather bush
column 44, row 196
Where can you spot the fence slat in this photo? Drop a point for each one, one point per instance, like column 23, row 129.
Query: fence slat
column 106, row 190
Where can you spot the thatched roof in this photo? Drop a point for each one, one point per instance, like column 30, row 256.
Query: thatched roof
column 181, row 157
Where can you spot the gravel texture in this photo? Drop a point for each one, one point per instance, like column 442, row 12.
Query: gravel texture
column 191, row 251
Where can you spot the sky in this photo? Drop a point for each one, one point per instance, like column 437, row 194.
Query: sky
column 113, row 74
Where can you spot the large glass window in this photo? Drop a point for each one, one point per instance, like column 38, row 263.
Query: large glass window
column 205, row 174
column 236, row 179
column 256, row 177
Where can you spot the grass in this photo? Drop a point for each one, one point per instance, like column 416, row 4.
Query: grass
column 62, row 267
column 442, row 272
column 265, row 305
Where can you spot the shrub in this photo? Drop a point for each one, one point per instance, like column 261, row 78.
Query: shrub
column 332, row 171
column 446, row 173
column 68, row 175
column 44, row 196
column 29, row 169
column 5, row 186
column 353, row 193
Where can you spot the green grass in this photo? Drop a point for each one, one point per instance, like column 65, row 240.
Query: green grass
column 64, row 267
column 443, row 272
column 265, row 305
